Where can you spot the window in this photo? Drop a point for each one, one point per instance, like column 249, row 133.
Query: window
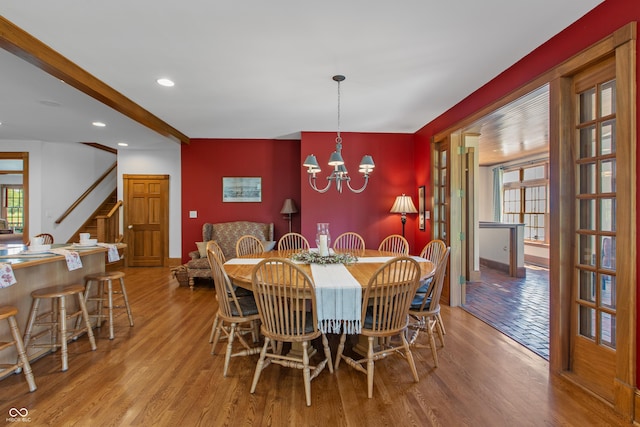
column 596, row 205
column 14, row 204
column 525, row 192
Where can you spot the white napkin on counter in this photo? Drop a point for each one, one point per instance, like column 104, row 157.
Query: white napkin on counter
column 112, row 251
column 72, row 257
column 7, row 278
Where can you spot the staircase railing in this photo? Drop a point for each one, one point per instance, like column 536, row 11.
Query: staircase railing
column 109, row 225
column 85, row 194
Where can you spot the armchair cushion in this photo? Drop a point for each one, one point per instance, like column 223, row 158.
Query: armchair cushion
column 202, row 249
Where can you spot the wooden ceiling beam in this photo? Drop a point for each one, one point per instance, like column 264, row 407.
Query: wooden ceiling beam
column 15, row 40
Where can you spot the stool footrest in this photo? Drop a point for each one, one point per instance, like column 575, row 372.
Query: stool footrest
column 6, row 344
column 8, row 367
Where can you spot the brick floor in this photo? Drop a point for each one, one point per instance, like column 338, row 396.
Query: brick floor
column 519, row 308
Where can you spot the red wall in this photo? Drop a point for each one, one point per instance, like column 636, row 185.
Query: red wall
column 366, row 213
column 206, row 161
column 279, row 163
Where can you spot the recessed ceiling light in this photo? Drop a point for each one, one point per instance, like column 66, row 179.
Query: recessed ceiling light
column 165, row 82
column 123, row 144
column 99, row 124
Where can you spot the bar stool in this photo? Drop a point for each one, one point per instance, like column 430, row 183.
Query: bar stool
column 9, row 313
column 106, row 295
column 55, row 320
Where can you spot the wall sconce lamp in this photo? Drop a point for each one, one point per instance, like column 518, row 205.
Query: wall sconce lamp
column 288, row 208
column 403, row 205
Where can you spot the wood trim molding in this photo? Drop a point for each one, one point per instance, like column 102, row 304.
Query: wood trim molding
column 626, row 242
column 20, row 43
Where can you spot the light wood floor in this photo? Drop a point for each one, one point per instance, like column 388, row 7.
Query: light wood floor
column 161, row 373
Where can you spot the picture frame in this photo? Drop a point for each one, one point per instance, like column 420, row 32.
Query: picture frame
column 241, row 189
column 421, row 207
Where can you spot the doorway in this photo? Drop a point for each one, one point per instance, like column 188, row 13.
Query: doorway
column 504, row 219
column 146, row 220
column 583, row 181
column 14, row 191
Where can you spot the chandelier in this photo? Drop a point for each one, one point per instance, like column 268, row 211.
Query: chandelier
column 339, row 174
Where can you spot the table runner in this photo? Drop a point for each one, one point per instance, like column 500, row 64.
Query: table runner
column 339, row 298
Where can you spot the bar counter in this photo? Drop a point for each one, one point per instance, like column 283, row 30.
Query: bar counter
column 36, row 272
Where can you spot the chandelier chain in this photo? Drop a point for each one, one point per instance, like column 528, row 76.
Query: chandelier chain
column 338, row 138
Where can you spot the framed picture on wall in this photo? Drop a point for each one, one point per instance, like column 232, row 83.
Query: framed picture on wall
column 237, row 189
column 421, row 216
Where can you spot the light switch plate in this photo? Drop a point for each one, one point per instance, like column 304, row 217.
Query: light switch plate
column 193, row 214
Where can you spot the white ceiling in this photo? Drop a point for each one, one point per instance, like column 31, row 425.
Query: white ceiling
column 262, row 69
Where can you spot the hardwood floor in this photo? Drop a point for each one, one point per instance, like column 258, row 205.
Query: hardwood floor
column 161, row 373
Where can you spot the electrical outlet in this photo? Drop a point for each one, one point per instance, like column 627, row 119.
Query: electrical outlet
column 193, row 214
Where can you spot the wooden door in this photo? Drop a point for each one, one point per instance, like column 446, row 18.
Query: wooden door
column 146, row 219
column 594, row 310
column 441, row 190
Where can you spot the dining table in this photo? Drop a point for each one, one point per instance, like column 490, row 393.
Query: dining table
column 240, row 269
column 338, row 291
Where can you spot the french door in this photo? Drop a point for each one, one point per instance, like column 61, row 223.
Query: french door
column 441, row 190
column 594, row 311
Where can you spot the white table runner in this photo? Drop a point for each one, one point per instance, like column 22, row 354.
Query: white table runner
column 339, row 299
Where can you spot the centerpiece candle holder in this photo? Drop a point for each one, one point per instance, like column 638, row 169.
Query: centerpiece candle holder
column 323, row 238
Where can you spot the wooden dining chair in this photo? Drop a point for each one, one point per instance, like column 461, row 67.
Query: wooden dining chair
column 249, row 245
column 47, row 239
column 385, row 306
column 349, row 241
column 396, row 244
column 236, row 316
column 286, row 302
column 293, row 241
column 425, row 309
column 213, row 246
column 433, row 251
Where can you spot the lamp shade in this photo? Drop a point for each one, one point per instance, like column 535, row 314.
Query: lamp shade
column 403, row 204
column 311, row 162
column 288, row 207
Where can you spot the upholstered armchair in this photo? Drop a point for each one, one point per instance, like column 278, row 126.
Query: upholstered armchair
column 226, row 234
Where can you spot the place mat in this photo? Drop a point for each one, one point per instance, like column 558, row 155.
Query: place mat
column 339, row 299
column 25, row 255
column 243, row 261
column 383, row 259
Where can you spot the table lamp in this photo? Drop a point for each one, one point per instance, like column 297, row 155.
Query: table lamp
column 288, row 208
column 403, row 205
